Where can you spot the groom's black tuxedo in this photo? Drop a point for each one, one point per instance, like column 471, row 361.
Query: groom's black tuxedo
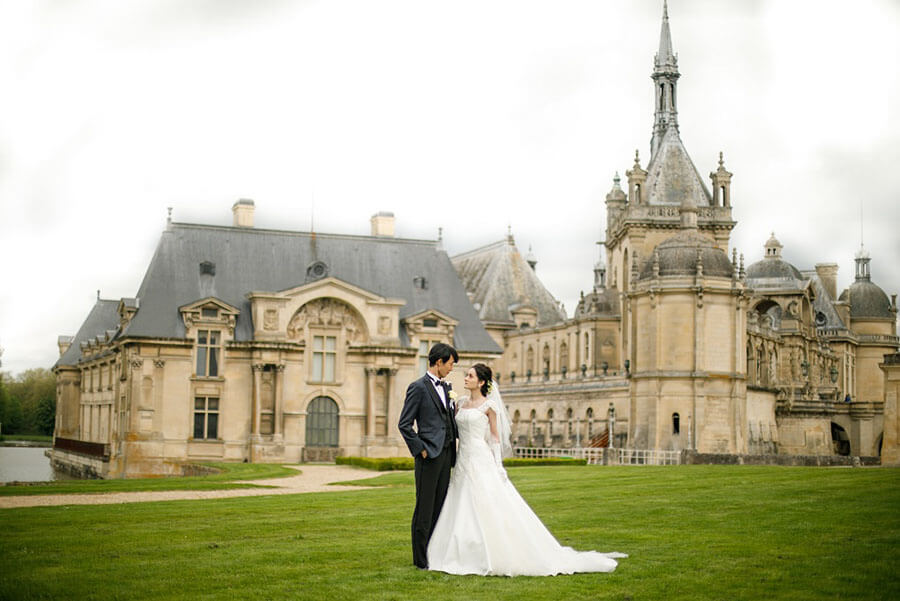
column 436, row 425
column 436, row 433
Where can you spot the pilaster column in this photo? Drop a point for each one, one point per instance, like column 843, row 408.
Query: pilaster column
column 370, row 401
column 257, row 388
column 279, row 398
column 388, row 398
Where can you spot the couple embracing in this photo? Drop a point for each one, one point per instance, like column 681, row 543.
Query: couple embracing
column 471, row 519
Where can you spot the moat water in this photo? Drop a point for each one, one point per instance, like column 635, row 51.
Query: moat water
column 27, row 464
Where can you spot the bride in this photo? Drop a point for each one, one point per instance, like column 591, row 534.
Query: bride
column 486, row 527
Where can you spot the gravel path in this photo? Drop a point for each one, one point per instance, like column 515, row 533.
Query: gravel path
column 313, row 478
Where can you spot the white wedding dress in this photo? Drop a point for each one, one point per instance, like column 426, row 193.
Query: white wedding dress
column 487, row 528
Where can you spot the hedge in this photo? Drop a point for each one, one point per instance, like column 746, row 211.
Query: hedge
column 385, row 464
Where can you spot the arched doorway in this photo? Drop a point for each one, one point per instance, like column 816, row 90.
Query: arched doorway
column 322, row 427
column 840, row 441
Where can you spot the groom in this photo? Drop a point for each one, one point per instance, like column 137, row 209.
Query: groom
column 433, row 443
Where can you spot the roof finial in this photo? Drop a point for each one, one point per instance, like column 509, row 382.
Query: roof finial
column 721, row 160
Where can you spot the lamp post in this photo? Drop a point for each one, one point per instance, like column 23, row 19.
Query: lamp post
column 612, row 425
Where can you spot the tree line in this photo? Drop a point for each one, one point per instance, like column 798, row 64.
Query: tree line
column 28, row 402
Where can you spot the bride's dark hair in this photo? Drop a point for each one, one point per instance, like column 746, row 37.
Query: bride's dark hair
column 484, row 374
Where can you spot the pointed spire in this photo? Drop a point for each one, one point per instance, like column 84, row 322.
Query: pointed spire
column 665, row 80
column 665, row 56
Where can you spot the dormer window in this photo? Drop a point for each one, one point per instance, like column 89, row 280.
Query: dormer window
column 430, row 323
column 209, row 313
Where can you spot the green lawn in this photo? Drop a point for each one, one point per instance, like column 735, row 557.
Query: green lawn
column 693, row 532
column 228, row 472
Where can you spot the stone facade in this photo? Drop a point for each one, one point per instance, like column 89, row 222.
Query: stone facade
column 251, row 369
column 685, row 349
column 256, row 345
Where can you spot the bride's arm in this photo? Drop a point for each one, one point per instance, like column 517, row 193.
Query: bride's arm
column 492, row 421
column 495, row 442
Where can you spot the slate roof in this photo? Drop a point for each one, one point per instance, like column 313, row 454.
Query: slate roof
column 499, row 279
column 823, row 304
column 672, row 177
column 251, row 259
column 867, row 300
column 104, row 316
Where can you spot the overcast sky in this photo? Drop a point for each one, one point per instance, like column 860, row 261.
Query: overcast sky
column 467, row 115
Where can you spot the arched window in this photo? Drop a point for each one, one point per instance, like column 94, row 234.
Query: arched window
column 587, row 349
column 570, row 422
column 529, row 359
column 563, row 356
column 515, row 423
column 589, row 416
column 760, row 368
column 322, row 423
column 676, row 423
column 749, row 363
column 550, row 422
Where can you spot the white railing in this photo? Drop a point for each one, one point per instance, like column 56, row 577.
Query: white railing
column 646, row 457
column 603, row 456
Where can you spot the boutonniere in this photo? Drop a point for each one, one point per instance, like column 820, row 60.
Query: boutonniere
column 452, row 396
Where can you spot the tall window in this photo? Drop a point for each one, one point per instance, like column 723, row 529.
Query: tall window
column 208, row 347
column 322, row 423
column 676, row 423
column 206, row 418
column 424, row 347
column 324, row 356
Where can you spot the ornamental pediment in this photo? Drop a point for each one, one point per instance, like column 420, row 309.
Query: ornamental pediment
column 430, row 321
column 328, row 302
column 209, row 311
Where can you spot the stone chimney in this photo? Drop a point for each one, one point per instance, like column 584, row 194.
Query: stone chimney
column 383, row 224
column 243, row 213
column 827, row 272
column 64, row 342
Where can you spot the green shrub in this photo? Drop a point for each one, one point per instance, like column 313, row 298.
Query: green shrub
column 519, row 462
column 380, row 464
column 385, row 464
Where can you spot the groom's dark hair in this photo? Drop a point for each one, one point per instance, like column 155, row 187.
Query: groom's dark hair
column 443, row 352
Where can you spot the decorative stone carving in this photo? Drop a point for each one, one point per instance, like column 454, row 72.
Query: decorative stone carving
column 270, row 320
column 159, row 363
column 137, row 363
column 384, row 325
column 327, row 312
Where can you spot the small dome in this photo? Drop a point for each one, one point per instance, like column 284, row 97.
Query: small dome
column 773, row 268
column 678, row 255
column 773, row 271
column 616, row 193
column 867, row 300
column 604, row 301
